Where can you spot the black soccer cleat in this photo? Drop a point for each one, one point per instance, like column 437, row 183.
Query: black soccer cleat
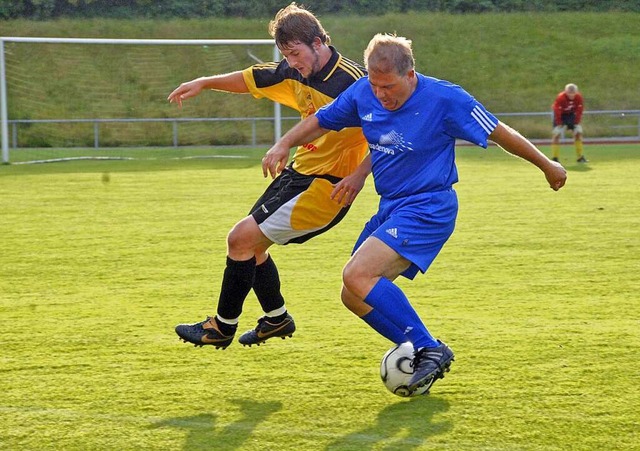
column 429, row 365
column 582, row 159
column 265, row 330
column 204, row 333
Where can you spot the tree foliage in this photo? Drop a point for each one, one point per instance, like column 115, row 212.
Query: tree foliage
column 51, row 9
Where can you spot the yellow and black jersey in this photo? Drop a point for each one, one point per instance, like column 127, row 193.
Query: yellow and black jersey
column 336, row 153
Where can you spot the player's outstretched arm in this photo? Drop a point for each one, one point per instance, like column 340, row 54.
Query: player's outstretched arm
column 516, row 144
column 232, row 82
column 303, row 132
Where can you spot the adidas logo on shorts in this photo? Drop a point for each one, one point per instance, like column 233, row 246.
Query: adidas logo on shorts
column 393, row 232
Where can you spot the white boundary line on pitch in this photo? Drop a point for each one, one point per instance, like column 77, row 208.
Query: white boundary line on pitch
column 99, row 158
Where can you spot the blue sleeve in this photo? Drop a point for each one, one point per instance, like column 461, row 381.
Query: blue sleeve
column 341, row 113
column 468, row 119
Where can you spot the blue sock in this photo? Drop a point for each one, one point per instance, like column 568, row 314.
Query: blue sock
column 390, row 301
column 384, row 327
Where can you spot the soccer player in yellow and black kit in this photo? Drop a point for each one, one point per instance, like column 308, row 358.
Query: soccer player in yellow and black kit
column 297, row 205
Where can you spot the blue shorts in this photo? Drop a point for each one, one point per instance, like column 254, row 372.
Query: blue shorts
column 416, row 227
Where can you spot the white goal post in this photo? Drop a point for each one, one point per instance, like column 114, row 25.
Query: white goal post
column 6, row 96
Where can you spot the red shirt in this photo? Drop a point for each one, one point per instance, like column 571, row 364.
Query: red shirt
column 563, row 104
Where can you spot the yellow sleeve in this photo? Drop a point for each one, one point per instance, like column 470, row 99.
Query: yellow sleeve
column 267, row 81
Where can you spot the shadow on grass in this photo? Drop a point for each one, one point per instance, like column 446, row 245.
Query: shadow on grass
column 202, row 434
column 404, row 425
column 578, row 168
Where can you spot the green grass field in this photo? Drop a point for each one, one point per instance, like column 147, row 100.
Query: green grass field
column 537, row 293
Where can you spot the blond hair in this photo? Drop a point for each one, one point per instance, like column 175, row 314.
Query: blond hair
column 571, row 88
column 389, row 53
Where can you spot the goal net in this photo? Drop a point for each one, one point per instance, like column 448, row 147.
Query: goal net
column 103, row 98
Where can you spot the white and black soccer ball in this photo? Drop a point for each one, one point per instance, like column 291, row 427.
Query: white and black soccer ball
column 396, row 369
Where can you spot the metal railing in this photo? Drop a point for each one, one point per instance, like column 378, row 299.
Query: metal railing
column 175, row 122
column 14, row 123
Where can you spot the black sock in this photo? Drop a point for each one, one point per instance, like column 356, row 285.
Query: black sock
column 226, row 329
column 266, row 285
column 236, row 284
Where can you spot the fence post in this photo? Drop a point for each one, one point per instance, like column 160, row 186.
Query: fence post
column 4, row 118
column 175, row 133
column 277, row 109
column 253, row 132
column 96, row 135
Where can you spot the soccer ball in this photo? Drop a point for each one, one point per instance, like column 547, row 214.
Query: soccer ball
column 396, row 369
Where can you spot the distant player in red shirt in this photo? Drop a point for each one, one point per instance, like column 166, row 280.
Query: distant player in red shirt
column 567, row 115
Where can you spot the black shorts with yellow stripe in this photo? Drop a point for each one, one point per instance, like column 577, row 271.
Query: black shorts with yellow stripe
column 297, row 207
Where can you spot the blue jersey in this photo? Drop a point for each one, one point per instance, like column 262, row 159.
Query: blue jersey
column 412, row 148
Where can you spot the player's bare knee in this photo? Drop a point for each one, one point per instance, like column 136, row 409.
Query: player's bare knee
column 355, row 280
column 239, row 238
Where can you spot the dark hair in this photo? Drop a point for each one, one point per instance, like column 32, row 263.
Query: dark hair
column 295, row 24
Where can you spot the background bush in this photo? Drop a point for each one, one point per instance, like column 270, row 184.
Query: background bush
column 48, row 9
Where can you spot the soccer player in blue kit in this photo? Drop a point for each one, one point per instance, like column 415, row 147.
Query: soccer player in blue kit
column 411, row 123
